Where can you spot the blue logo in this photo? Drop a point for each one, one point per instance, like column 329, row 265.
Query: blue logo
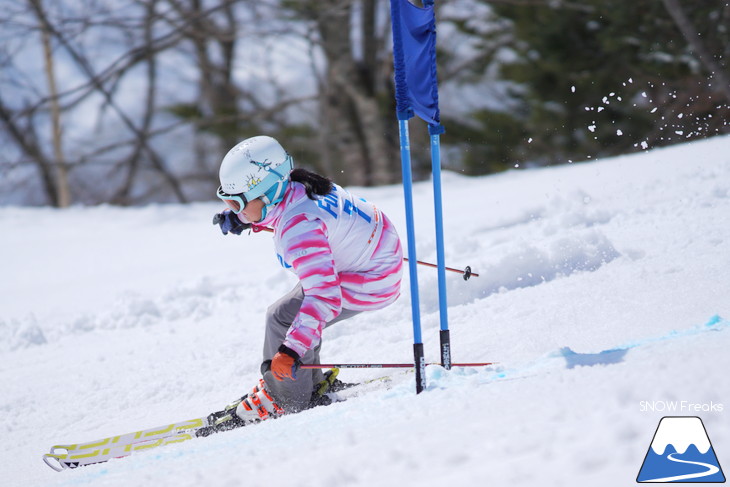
column 282, row 262
column 681, row 452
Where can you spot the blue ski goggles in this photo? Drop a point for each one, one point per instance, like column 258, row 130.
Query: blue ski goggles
column 236, row 202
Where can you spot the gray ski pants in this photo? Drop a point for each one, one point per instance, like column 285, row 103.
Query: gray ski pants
column 291, row 395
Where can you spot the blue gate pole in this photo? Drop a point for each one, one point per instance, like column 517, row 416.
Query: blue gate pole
column 435, row 132
column 404, row 111
column 405, row 155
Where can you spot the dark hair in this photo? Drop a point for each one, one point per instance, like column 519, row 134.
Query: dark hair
column 313, row 183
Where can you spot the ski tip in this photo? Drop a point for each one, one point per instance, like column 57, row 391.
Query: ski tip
column 54, row 462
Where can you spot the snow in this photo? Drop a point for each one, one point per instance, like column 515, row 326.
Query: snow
column 603, row 287
column 681, row 433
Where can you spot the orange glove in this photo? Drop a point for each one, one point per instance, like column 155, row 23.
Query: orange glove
column 285, row 364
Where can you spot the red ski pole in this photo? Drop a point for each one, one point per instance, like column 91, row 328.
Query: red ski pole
column 387, row 366
column 466, row 273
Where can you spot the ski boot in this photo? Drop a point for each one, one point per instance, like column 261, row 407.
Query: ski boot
column 254, row 407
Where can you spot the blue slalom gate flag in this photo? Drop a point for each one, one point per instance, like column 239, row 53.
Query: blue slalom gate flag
column 414, row 50
column 416, row 91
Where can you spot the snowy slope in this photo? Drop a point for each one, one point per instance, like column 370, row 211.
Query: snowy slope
column 112, row 320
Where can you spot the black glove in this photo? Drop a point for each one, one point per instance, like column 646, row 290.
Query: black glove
column 229, row 222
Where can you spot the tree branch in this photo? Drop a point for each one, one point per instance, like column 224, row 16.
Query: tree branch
column 690, row 34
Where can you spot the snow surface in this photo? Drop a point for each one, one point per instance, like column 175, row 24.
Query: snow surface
column 604, row 294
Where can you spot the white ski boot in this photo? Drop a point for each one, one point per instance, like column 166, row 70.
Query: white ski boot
column 255, row 406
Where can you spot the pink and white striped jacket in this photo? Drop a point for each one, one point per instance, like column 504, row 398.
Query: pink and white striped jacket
column 345, row 252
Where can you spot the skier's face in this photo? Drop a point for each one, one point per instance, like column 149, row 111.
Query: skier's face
column 252, row 211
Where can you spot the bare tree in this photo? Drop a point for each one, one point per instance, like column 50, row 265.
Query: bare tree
column 103, row 83
column 694, row 40
column 214, row 39
column 63, row 193
column 355, row 92
column 136, row 159
column 21, row 130
column 21, row 126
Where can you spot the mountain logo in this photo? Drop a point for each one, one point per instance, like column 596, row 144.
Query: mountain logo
column 681, row 452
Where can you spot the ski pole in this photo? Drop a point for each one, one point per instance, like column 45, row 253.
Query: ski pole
column 387, row 366
column 466, row 273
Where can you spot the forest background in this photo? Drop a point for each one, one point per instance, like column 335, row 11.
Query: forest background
column 130, row 102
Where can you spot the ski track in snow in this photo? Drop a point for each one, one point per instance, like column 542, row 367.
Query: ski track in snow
column 601, row 285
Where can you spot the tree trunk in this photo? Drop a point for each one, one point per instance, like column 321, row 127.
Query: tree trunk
column 63, row 192
column 353, row 122
column 692, row 36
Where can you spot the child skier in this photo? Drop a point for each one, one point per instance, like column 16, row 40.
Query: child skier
column 345, row 252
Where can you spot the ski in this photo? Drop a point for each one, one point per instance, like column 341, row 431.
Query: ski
column 69, row 456
column 62, row 457
column 75, row 455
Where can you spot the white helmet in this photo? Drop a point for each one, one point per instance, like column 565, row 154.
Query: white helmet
column 256, row 167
